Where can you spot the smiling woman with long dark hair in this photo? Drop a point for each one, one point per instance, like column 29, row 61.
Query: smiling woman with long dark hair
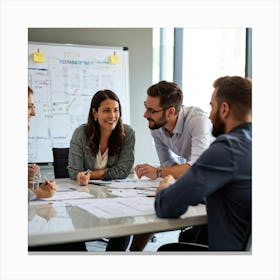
column 104, row 145
column 103, row 148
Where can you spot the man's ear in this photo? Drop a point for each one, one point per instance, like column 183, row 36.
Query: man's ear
column 171, row 112
column 224, row 110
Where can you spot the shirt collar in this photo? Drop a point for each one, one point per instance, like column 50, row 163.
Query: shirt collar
column 179, row 124
column 243, row 126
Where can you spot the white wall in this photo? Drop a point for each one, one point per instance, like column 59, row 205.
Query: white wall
column 140, row 44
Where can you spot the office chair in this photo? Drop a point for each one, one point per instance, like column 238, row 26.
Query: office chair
column 182, row 246
column 189, row 246
column 60, row 162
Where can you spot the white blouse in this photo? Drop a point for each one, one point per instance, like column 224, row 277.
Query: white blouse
column 101, row 160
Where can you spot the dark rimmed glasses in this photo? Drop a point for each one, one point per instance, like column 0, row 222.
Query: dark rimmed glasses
column 151, row 111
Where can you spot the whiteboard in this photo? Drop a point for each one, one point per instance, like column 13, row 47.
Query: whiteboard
column 63, row 86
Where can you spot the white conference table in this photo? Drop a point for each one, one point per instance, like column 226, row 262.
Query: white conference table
column 53, row 223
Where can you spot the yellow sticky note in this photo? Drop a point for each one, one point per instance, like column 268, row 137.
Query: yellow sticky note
column 38, row 57
column 114, row 59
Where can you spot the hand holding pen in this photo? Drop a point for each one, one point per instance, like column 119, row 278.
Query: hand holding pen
column 47, row 189
column 83, row 177
column 49, row 184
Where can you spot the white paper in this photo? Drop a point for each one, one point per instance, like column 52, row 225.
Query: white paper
column 131, row 192
column 100, row 182
column 120, row 207
column 143, row 184
column 68, row 195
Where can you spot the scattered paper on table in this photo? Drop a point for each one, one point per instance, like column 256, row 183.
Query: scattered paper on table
column 119, row 207
column 68, row 195
column 145, row 184
column 131, row 192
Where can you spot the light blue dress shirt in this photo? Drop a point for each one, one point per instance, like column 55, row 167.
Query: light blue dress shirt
column 191, row 136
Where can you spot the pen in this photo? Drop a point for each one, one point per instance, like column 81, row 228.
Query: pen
column 47, row 179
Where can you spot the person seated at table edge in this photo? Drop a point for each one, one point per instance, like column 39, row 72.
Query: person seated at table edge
column 222, row 174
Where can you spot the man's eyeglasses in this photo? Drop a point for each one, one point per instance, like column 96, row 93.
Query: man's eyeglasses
column 150, row 111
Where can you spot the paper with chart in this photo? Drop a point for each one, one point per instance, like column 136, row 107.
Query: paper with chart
column 144, row 184
column 130, row 187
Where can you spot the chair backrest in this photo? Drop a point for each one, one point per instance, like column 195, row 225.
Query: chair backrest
column 60, row 162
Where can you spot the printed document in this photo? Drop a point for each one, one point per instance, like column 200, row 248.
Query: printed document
column 119, row 207
column 144, row 184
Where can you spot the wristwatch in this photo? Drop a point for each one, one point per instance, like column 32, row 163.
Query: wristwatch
column 159, row 172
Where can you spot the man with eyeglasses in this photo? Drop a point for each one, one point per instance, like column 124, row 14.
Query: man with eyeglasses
column 180, row 134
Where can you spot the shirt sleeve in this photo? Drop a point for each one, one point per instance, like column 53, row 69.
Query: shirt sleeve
column 125, row 162
column 201, row 135
column 211, row 171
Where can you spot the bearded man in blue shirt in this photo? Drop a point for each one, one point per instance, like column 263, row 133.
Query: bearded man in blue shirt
column 222, row 174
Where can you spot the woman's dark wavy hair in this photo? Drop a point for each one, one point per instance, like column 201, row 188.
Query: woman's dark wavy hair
column 92, row 128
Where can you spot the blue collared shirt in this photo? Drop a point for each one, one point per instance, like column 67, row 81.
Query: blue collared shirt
column 191, row 136
column 223, row 174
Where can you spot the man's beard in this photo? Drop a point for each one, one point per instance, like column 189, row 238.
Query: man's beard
column 218, row 125
column 160, row 123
